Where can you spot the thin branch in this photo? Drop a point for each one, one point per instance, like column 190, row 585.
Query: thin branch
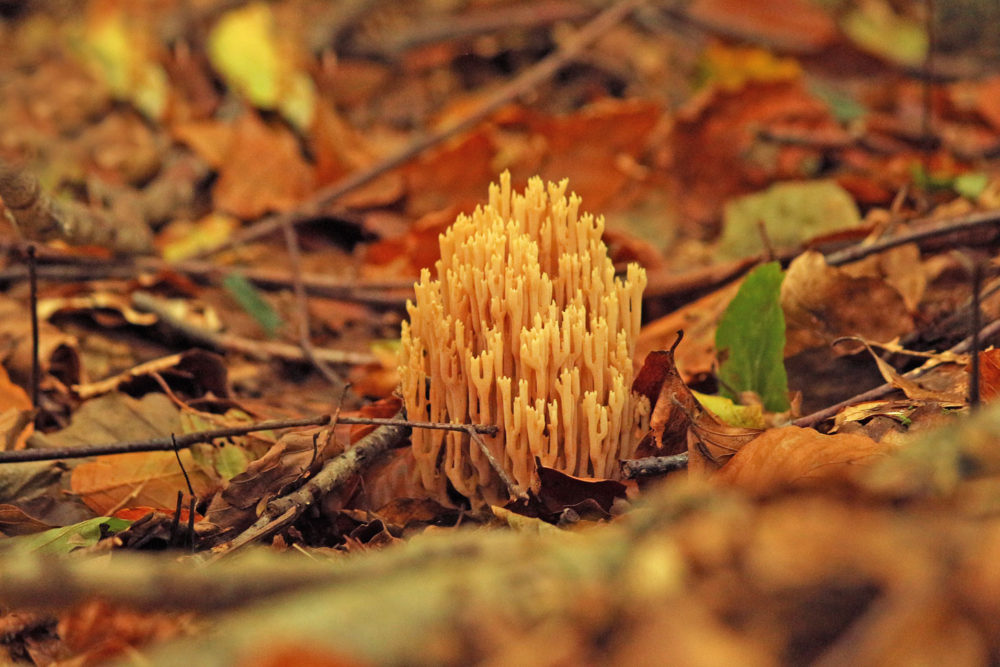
column 167, row 443
column 512, row 487
column 302, row 310
column 924, row 230
column 38, row 215
column 252, row 348
column 523, row 83
column 487, row 20
column 80, row 268
column 36, row 368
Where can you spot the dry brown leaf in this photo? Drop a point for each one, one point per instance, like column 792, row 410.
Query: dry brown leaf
column 823, row 303
column 793, row 457
column 913, row 389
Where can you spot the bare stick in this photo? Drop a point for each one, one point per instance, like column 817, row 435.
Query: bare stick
column 38, row 215
column 252, row 348
column 522, row 84
column 302, row 309
column 925, row 229
column 512, row 487
column 36, row 370
column 282, row 511
column 167, row 443
column 653, row 466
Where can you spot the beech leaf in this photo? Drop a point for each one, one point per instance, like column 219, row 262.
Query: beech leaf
column 750, row 340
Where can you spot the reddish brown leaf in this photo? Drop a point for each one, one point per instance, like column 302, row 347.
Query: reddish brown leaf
column 792, row 25
column 989, row 375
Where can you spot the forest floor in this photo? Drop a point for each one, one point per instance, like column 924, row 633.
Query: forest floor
column 214, row 216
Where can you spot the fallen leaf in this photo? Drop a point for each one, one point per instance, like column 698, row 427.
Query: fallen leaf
column 792, row 213
column 263, row 170
column 288, row 461
column 822, row 303
column 989, row 375
column 153, row 479
column 731, row 67
column 792, row 25
column 259, row 61
column 876, row 27
column 791, row 457
column 750, row 340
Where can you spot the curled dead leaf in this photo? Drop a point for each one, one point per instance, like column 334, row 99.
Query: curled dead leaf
column 822, row 303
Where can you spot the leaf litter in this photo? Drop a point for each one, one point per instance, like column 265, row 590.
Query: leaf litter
column 864, row 535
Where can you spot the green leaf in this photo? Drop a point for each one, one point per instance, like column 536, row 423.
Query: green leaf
column 743, row 416
column 63, row 540
column 843, row 107
column 971, row 184
column 251, row 301
column 231, row 461
column 750, row 340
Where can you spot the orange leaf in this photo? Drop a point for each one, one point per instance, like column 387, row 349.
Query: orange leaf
column 793, row 457
column 110, row 483
column 263, row 171
column 792, row 25
column 989, row 375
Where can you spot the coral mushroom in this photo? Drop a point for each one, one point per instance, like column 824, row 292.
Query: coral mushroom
column 527, row 327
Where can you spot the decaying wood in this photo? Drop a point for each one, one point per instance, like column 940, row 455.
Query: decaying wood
column 37, row 215
column 280, row 512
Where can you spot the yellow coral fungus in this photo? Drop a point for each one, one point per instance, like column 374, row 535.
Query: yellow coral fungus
column 527, row 327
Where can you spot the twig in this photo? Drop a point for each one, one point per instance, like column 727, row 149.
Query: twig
column 522, row 84
column 883, row 390
column 36, row 370
column 302, row 309
column 512, row 487
column 335, row 472
column 974, row 324
column 78, row 268
column 165, row 444
column 474, row 22
column 653, row 466
column 925, row 229
column 252, row 348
